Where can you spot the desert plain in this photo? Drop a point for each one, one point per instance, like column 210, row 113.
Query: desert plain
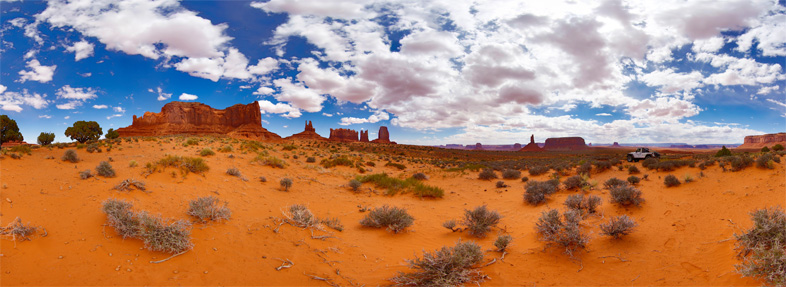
column 684, row 237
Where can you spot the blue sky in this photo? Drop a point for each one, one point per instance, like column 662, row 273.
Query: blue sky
column 434, row 72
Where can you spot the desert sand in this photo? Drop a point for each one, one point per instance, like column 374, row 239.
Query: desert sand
column 684, row 237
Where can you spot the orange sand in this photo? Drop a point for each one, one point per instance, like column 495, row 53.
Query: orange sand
column 683, row 237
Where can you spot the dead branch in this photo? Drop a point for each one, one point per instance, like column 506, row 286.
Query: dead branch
column 489, row 263
column 327, row 280
column 721, row 241
column 170, row 257
column 284, row 264
column 611, row 256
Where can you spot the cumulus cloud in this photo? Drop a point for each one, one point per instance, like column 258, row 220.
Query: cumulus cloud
column 37, row 72
column 69, row 105
column 279, row 108
column 187, row 97
column 82, row 49
column 374, row 118
column 119, row 109
column 13, row 101
column 44, row 117
column 669, row 109
column 100, row 107
column 671, row 81
column 298, row 96
column 82, row 94
column 603, row 115
column 162, row 96
column 767, row 90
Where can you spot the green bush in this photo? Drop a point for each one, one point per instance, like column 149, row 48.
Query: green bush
column 767, row 160
column 9, row 131
column 342, row 160
column 393, row 218
column 765, row 149
column 289, row 147
column 777, row 147
column 394, row 185
column 83, row 131
column 45, row 139
column 449, row 266
column 226, row 148
column 206, row 152
column 740, row 162
column 271, row 161
column 112, row 134
column 762, row 248
column 185, row 164
column 671, row 180
column 723, row 152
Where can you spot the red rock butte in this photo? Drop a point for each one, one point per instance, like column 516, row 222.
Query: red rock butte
column 531, row 146
column 343, row 135
column 241, row 121
column 567, row 143
column 309, row 133
column 760, row 141
column 383, row 136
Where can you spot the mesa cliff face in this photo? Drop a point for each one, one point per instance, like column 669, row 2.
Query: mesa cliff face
column 567, row 143
column 383, row 136
column 760, row 141
column 343, row 135
column 199, row 119
column 309, row 133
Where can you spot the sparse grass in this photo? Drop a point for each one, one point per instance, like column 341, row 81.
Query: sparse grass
column 132, row 163
column 206, row 152
column 289, row 147
column 130, row 183
column 70, row 156
column 449, row 266
column 671, row 180
column 562, row 230
column 394, row 185
column 285, row 183
column 480, row 220
column 618, row 226
column 209, row 208
column 396, row 165
column 105, row 169
column 393, row 218
column 191, row 141
column 487, row 174
column 185, row 164
column 762, row 248
column 271, row 161
column 626, row 195
column 226, row 148
column 342, row 160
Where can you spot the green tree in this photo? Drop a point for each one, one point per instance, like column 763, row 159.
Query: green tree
column 9, row 131
column 83, row 131
column 765, row 149
column 112, row 134
column 46, row 138
column 777, row 147
column 723, row 152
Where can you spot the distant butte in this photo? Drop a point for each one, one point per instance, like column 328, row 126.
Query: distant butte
column 564, row 144
column 343, row 135
column 531, row 146
column 240, row 121
column 383, row 136
column 760, row 141
column 309, row 133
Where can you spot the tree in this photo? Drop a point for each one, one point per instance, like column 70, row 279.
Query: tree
column 723, row 152
column 46, row 138
column 765, row 149
column 112, row 134
column 777, row 147
column 9, row 131
column 83, row 131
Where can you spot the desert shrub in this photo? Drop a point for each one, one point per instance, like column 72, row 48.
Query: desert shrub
column 132, row 163
column 420, row 176
column 634, row 180
column 451, row 224
column 371, row 164
column 487, row 174
column 394, row 185
column 614, row 182
column 501, row 184
column 119, row 216
column 762, row 248
column 723, row 152
column 671, row 180
column 19, row 231
column 480, row 220
column 288, row 147
column 93, row 147
column 502, row 242
column 626, row 195
column 300, row 216
column 601, row 166
column 688, row 178
column 650, row 163
column 342, row 160
column 85, row 174
column 192, row 141
column 511, row 174
column 633, row 169
column 393, row 218
column 165, row 236
column 208, row 208
column 574, row 182
column 127, row 184
column 585, row 168
column 233, row 171
column 524, row 179
column 334, row 223
column 765, row 149
column 45, row 139
column 105, row 169
column 70, row 155
column 262, row 179
column 206, row 152
column 564, row 231
column 536, row 191
column 355, row 184
column 538, row 170
column 311, row 159
column 767, row 161
column 584, row 204
column 777, row 147
column 618, row 226
column 185, row 164
column 9, row 130
column 285, row 183
column 449, row 266
column 271, row 161
column 396, row 165
column 226, row 148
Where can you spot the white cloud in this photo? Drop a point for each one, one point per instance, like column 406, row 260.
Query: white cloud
column 298, row 96
column 337, row 9
column 187, row 97
column 13, row 101
column 69, row 105
column 782, row 104
column 279, row 108
column 119, row 109
column 711, row 45
column 114, row 116
column 82, row 94
column 767, row 90
column 374, row 118
column 82, row 49
column 264, row 91
column 44, row 117
column 66, row 117
column 100, row 107
column 161, row 95
column 37, row 72
column 603, row 115
column 671, row 81
column 327, row 115
column 668, row 109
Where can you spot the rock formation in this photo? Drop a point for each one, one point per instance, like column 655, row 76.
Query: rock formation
column 383, row 136
column 516, row 146
column 567, row 143
column 364, row 136
column 309, row 133
column 531, row 146
column 760, row 141
column 616, row 144
column 343, row 135
column 243, row 121
column 478, row 146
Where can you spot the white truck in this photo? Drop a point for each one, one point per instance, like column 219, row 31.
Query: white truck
column 642, row 153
